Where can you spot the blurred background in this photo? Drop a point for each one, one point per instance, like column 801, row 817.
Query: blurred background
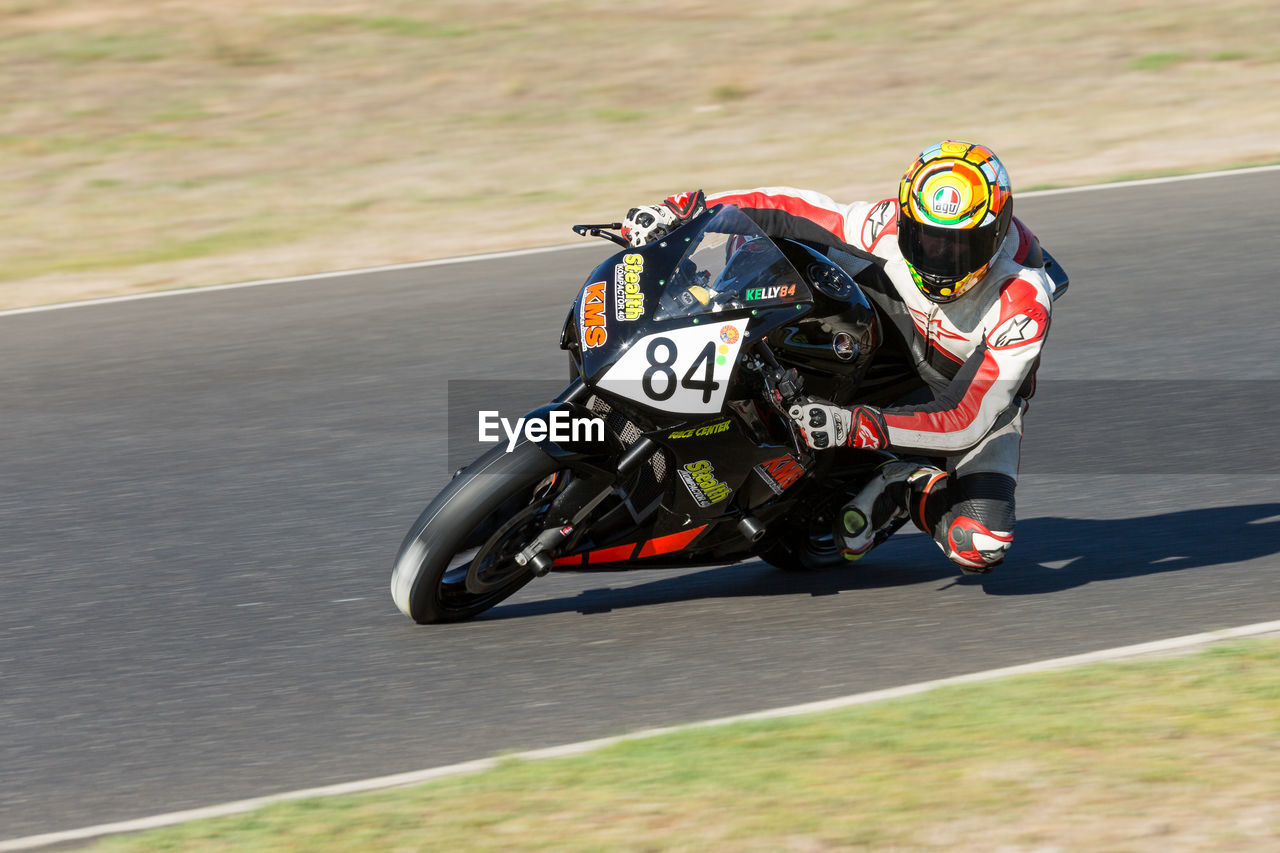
column 153, row 144
column 203, row 496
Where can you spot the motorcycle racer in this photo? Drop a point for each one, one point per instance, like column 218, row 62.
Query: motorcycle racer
column 965, row 287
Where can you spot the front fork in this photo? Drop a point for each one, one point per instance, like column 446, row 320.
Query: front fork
column 597, row 475
column 576, row 503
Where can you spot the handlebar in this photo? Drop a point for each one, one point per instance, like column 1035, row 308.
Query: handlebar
column 784, row 388
column 599, row 231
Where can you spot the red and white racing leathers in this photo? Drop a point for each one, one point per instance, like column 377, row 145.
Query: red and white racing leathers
column 977, row 354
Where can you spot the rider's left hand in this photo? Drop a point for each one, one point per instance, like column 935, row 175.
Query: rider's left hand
column 826, row 425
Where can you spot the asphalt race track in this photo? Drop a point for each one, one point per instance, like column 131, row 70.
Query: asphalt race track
column 202, row 495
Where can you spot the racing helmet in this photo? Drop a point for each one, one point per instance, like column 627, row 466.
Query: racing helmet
column 954, row 209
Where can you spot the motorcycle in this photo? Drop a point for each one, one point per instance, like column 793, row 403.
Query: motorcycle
column 690, row 350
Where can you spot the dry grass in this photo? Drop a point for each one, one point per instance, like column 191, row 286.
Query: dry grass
column 164, row 143
column 1177, row 754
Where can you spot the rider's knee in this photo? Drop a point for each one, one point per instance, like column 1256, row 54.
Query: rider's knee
column 974, row 547
column 928, row 500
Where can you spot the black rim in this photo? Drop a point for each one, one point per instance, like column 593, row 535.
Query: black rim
column 495, row 567
column 821, row 549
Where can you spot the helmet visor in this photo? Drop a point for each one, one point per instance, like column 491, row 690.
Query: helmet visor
column 947, row 253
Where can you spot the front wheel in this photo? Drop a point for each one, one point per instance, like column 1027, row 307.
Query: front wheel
column 489, row 513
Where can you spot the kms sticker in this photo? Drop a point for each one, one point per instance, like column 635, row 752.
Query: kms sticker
column 780, row 473
column 594, row 333
column 700, row 479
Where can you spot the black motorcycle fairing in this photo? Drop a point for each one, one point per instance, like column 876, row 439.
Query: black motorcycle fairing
column 716, row 477
column 1060, row 279
column 832, row 344
column 718, row 268
column 601, row 316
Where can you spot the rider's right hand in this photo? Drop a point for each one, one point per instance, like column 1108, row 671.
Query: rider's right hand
column 824, row 425
column 650, row 222
column 821, row 424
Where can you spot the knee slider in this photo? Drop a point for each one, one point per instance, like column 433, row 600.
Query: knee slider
column 976, row 549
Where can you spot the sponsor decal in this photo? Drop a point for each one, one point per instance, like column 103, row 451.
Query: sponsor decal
column 699, row 432
column 729, row 334
column 866, row 432
column 877, row 223
column 779, row 474
column 591, row 315
column 777, row 291
column 932, row 328
column 1023, row 328
column 700, row 479
column 628, row 301
column 945, row 201
column 844, row 346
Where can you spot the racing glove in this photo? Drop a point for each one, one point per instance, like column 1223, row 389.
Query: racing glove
column 826, row 425
column 652, row 221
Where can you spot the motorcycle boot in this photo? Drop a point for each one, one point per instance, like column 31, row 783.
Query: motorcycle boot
column 881, row 502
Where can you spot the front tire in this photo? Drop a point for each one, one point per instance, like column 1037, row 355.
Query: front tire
column 426, row 584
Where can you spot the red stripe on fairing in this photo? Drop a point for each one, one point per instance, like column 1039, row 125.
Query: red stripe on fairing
column 671, row 542
column 957, row 419
column 610, row 555
column 1025, row 241
column 652, row 548
column 828, row 219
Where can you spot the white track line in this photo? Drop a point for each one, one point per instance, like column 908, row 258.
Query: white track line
column 1174, row 644
column 415, row 265
column 517, row 253
column 1147, row 182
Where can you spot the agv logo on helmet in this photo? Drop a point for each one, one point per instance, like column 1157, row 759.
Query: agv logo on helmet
column 956, row 205
column 946, row 201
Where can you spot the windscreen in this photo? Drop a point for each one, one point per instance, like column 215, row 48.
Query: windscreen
column 730, row 264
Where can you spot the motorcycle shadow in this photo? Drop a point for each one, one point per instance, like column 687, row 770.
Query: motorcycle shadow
column 889, row 566
column 1051, row 555
column 1054, row 554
